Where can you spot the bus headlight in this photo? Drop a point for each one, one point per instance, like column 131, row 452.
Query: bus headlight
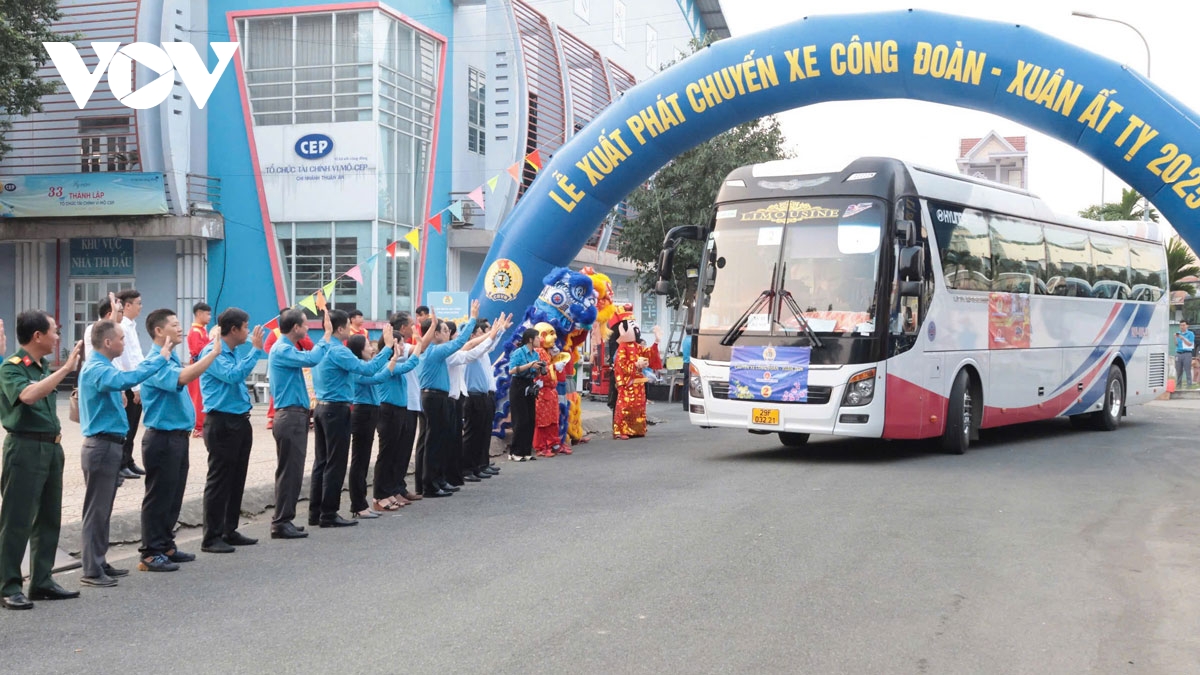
column 860, row 389
column 695, row 383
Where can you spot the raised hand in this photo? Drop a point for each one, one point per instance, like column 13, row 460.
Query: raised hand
column 166, row 350
column 117, row 308
column 389, row 338
column 74, row 356
column 214, row 336
column 328, row 324
column 475, row 309
column 256, row 338
column 658, row 333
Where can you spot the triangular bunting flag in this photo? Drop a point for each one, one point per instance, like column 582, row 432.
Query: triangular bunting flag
column 515, row 172
column 391, row 248
column 535, row 159
column 492, row 183
column 369, row 264
column 456, row 209
column 414, row 238
column 271, row 325
column 329, row 288
column 321, row 304
column 309, row 303
column 436, row 221
column 477, row 196
column 355, row 273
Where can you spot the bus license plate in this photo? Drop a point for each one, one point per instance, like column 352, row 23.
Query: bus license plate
column 765, row 416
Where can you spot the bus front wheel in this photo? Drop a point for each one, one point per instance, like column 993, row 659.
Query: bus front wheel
column 793, row 440
column 960, row 415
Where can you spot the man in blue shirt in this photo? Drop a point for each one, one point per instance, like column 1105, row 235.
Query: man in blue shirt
column 169, row 417
column 334, row 388
column 104, row 424
column 434, row 376
column 397, row 424
column 285, row 371
column 227, row 432
column 1185, row 342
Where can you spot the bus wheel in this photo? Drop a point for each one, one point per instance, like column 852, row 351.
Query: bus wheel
column 1109, row 417
column 960, row 415
column 793, row 440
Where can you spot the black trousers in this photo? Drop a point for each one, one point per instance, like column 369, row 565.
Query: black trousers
column 391, row 464
column 478, row 412
column 455, row 465
column 363, row 420
column 439, row 418
column 329, row 463
column 421, row 441
column 522, row 409
column 228, row 438
column 291, row 449
column 133, row 411
column 165, row 458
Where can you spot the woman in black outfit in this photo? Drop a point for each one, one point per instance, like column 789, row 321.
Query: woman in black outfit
column 523, row 366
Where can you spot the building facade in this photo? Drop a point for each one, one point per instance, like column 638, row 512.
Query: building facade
column 335, row 132
column 1001, row 159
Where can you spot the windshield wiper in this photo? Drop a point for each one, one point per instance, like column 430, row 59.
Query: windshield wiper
column 800, row 318
column 735, row 331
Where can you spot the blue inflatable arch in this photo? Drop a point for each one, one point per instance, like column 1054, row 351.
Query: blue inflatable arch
column 1111, row 113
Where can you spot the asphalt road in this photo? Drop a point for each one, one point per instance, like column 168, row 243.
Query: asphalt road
column 1043, row 550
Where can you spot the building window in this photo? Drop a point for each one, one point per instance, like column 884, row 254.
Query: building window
column 308, row 68
column 619, row 23
column 476, row 112
column 314, row 254
column 103, row 144
column 408, row 79
column 652, row 49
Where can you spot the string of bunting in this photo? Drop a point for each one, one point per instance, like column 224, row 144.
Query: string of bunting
column 317, row 301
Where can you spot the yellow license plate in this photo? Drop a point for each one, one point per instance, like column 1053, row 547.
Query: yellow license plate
column 765, row 416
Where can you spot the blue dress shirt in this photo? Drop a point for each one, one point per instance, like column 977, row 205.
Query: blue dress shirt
column 393, row 390
column 101, row 410
column 285, row 371
column 434, row 373
column 167, row 405
column 366, row 387
column 480, row 379
column 520, row 357
column 223, row 385
column 331, row 377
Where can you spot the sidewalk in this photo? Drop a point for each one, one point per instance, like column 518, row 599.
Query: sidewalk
column 260, row 478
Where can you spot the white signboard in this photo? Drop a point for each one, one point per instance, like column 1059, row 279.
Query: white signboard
column 317, row 172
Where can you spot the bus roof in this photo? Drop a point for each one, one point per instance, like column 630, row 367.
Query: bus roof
column 889, row 178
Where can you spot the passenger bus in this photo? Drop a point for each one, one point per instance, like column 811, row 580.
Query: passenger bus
column 887, row 300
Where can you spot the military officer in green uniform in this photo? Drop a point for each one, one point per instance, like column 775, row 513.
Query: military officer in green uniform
column 31, row 474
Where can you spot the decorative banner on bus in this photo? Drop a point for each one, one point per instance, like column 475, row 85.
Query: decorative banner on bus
column 769, row 373
column 1008, row 321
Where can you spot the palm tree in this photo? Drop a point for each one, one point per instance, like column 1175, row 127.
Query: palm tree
column 1129, row 208
column 1181, row 263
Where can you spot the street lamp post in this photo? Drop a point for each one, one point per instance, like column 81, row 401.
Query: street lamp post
column 1089, row 15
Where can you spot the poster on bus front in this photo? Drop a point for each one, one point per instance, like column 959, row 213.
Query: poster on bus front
column 1008, row 321
column 769, row 373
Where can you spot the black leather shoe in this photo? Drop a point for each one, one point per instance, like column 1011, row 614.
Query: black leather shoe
column 436, row 493
column 314, row 520
column 136, row 469
column 236, row 538
column 448, row 487
column 16, row 601
column 338, row 521
column 102, row 581
column 129, row 474
column 218, row 546
column 52, row 592
column 177, row 556
column 490, row 470
column 471, row 478
column 287, row 531
column 299, row 528
column 482, row 475
column 494, row 468
column 115, row 572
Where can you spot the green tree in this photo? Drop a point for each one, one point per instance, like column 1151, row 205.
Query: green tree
column 683, row 191
column 1181, row 263
column 24, row 26
column 1129, row 208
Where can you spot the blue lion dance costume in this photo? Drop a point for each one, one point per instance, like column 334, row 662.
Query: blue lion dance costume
column 567, row 302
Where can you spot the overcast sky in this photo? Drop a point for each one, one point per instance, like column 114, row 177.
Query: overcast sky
column 1064, row 177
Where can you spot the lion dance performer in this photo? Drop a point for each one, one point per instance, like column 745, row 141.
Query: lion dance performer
column 628, row 361
column 546, row 413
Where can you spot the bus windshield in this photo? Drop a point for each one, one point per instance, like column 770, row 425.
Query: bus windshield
column 825, row 252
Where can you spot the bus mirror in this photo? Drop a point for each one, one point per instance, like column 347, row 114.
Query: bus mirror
column 666, row 261
column 912, row 263
column 662, row 287
column 906, row 230
column 910, row 289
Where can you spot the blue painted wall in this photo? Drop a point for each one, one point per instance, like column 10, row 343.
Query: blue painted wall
column 239, row 270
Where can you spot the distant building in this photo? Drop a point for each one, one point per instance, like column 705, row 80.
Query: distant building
column 1002, row 159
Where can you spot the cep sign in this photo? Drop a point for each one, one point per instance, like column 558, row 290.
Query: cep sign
column 314, row 146
column 170, row 58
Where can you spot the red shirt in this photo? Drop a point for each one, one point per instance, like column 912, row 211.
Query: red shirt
column 197, row 339
column 303, row 344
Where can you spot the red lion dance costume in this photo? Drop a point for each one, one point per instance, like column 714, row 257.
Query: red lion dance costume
column 629, row 411
column 546, row 431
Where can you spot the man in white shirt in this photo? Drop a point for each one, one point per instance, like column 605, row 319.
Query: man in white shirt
column 458, row 470
column 131, row 308
column 104, row 311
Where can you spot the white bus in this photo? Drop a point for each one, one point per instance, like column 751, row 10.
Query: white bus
column 913, row 303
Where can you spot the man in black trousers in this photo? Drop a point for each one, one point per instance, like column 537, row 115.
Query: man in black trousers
column 227, row 432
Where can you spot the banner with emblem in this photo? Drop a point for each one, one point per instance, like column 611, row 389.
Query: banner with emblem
column 769, row 373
